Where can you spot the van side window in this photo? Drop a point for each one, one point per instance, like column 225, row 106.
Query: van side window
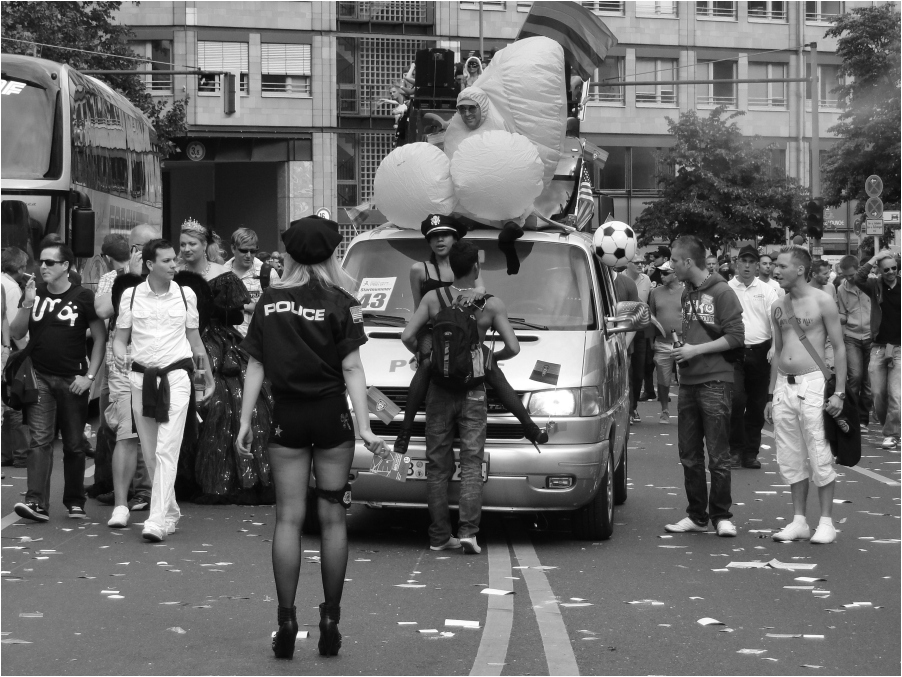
column 608, row 302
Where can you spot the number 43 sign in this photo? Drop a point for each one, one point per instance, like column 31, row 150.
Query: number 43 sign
column 374, row 292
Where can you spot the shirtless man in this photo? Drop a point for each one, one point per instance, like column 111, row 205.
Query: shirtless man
column 797, row 393
column 462, row 410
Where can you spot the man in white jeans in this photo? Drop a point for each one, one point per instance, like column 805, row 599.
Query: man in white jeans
column 160, row 318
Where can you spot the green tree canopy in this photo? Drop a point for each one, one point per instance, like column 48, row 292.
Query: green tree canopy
column 723, row 188
column 869, row 125
column 89, row 26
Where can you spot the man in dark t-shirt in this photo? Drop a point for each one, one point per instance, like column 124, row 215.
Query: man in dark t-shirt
column 57, row 315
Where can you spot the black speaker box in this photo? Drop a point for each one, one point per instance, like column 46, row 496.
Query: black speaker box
column 434, row 69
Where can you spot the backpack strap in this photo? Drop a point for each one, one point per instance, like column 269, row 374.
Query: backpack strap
column 131, row 303
column 442, row 293
column 803, row 338
column 184, row 300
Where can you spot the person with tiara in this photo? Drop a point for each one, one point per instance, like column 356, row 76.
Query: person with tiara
column 212, row 471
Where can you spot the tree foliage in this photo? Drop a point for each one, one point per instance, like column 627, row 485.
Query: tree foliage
column 869, row 125
column 723, row 189
column 90, row 26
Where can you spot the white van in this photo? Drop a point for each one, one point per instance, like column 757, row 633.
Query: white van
column 562, row 307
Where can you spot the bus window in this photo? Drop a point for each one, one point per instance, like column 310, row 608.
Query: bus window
column 29, row 111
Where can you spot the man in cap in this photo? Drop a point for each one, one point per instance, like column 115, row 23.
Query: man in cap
column 753, row 372
column 666, row 307
column 659, row 258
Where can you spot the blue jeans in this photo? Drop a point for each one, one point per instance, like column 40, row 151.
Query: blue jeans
column 448, row 413
column 56, row 407
column 858, row 357
column 704, row 421
column 885, row 387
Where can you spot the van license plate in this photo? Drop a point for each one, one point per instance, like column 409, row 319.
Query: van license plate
column 417, row 471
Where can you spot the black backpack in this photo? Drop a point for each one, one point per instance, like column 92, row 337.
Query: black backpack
column 457, row 361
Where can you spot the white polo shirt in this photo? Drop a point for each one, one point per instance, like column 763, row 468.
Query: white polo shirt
column 775, row 286
column 756, row 300
column 158, row 323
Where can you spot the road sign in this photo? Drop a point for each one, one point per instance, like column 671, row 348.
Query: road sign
column 873, row 186
column 874, row 208
column 817, row 251
column 874, row 227
column 324, row 213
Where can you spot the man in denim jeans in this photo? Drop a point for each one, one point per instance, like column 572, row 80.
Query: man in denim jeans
column 463, row 411
column 712, row 324
column 883, row 369
column 855, row 316
column 57, row 316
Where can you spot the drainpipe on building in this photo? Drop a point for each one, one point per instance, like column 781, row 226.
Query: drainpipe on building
column 800, row 126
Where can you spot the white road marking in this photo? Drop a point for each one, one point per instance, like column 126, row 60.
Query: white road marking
column 492, row 652
column 863, row 471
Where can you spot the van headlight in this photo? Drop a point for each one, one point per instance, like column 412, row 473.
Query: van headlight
column 562, row 402
column 589, row 401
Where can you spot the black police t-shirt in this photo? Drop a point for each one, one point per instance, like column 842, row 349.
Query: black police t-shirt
column 60, row 330
column 301, row 335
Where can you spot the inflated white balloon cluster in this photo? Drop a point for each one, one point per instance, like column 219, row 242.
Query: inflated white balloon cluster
column 496, row 172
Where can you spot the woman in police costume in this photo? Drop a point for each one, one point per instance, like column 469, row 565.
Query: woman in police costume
column 304, row 337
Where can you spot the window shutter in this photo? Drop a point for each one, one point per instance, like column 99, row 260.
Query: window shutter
column 222, row 56
column 286, row 59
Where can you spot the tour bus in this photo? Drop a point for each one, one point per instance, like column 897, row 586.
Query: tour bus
column 75, row 153
column 571, row 373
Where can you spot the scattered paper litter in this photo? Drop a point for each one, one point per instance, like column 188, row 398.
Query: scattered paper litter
column 177, row 630
column 109, row 592
column 809, row 579
column 410, row 585
column 31, row 614
column 709, row 621
column 814, row 667
column 572, row 604
column 454, row 623
column 841, row 500
column 719, row 570
column 542, row 568
column 407, row 622
column 798, row 587
column 696, row 598
column 747, row 565
column 789, row 566
column 115, row 597
column 673, row 546
column 10, row 640
column 495, row 591
column 753, row 652
column 652, row 602
column 447, row 634
column 427, row 632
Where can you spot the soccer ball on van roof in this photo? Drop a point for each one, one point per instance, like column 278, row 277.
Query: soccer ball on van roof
column 615, row 243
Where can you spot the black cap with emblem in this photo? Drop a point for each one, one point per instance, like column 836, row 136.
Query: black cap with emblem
column 311, row 239
column 442, row 223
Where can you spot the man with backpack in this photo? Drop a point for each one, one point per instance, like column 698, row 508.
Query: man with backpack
column 457, row 399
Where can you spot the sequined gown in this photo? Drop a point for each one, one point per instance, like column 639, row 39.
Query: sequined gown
column 212, row 471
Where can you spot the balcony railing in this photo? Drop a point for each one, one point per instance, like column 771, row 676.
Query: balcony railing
column 775, row 102
column 159, row 84
column 716, row 11
column 603, row 7
column 608, row 95
column 818, row 18
column 384, row 12
column 714, row 101
column 661, row 8
column 767, row 14
column 656, row 99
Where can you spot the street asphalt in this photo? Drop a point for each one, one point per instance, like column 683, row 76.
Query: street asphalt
column 79, row 598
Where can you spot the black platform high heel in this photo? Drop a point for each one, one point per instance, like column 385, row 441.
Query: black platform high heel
column 329, row 636
column 283, row 639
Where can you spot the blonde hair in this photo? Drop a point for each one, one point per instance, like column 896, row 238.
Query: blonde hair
column 328, row 273
column 208, row 237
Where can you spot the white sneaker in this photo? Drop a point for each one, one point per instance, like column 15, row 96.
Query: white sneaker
column 684, row 525
column 825, row 533
column 170, row 528
column 119, row 520
column 889, row 443
column 793, row 532
column 152, row 533
column 470, row 546
column 726, row 528
column 451, row 544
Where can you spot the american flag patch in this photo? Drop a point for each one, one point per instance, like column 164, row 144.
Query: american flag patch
column 357, row 314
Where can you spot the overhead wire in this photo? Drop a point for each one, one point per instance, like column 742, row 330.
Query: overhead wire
column 88, row 51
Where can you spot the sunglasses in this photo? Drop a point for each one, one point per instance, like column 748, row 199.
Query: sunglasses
column 50, row 262
column 891, row 270
column 463, row 110
column 247, row 251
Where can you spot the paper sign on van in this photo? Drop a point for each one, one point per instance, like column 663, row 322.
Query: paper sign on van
column 546, row 372
column 374, row 292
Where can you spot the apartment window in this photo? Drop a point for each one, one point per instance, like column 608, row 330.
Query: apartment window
column 828, row 80
column 637, row 170
column 606, row 8
column 716, row 94
column 346, row 74
column 159, row 52
column 611, row 69
column 286, row 70
column 767, row 10
column 822, row 12
column 359, row 156
column 492, row 5
column 661, row 8
column 221, row 56
column 715, row 9
column 383, row 12
column 778, row 162
column 524, row 6
column 767, row 94
column 656, row 69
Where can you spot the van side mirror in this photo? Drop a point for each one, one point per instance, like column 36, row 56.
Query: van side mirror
column 83, row 232
column 630, row 316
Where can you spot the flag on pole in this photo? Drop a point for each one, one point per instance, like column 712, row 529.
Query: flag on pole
column 584, row 37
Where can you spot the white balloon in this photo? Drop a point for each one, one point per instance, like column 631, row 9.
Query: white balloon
column 497, row 175
column 412, row 182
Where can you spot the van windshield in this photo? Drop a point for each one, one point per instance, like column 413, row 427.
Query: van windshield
column 552, row 291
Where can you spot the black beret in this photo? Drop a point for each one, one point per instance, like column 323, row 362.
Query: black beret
column 437, row 223
column 311, row 239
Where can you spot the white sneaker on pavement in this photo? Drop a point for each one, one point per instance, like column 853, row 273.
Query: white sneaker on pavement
column 726, row 528
column 685, row 525
column 119, row 520
column 889, row 443
column 451, row 544
column 793, row 532
column 825, row 533
column 152, row 533
column 470, row 546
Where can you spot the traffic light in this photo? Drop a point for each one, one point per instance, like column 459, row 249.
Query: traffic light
column 814, row 218
column 229, row 93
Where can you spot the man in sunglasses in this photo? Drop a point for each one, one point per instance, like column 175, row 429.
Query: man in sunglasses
column 247, row 267
column 57, row 314
column 883, row 369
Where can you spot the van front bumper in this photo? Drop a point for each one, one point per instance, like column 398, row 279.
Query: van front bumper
column 517, row 478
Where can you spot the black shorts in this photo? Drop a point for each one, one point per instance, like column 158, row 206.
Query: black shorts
column 323, row 423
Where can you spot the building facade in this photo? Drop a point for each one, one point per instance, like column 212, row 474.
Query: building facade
column 314, row 117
